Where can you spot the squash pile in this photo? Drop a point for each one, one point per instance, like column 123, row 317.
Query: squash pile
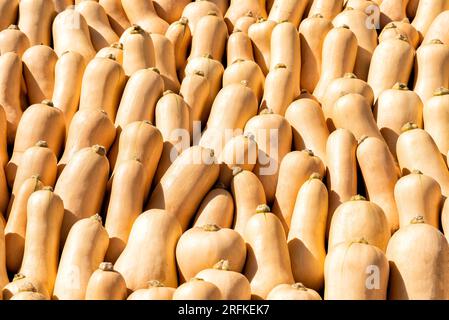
column 216, row 149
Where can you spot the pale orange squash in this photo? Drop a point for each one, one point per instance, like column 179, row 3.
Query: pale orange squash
column 426, row 12
column 106, row 284
column 20, row 282
column 278, row 92
column 197, row 289
column 3, row 272
column 116, row 15
column 197, row 9
column 295, row 291
column 9, row 9
column 260, row 34
column 170, row 10
column 245, row 70
column 392, row 10
column 239, row 8
column 156, row 291
column 143, row 13
column 35, row 20
column 329, row 9
column 437, row 30
column 244, row 22
column 13, row 40
column 181, row 37
column 217, row 208
column 164, row 53
column 435, row 115
column 239, row 46
column 292, row 11
column 138, row 50
column 393, row 29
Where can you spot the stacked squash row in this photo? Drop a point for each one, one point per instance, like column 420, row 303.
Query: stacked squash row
column 215, row 149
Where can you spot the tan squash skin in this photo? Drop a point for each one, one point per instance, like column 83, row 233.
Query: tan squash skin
column 295, row 168
column 216, row 208
column 38, row 70
column 278, row 92
column 28, row 293
column 417, row 150
column 140, row 263
column 339, row 54
column 127, row 195
column 348, row 269
column 328, row 9
column 307, row 234
column 102, row 85
column 15, row 228
column 352, row 112
column 4, row 156
column 197, row 289
column 61, row 5
column 418, row 254
column 19, row 283
column 13, row 40
column 116, row 15
column 445, row 217
column 260, row 34
column 435, row 114
column 71, row 33
column 359, row 218
column 69, row 71
column 138, row 50
column 392, row 62
column 239, row 46
column 210, row 38
column 239, row 8
column 392, row 10
column 233, row 285
column 393, row 109
column 181, row 37
column 106, row 284
column 155, row 291
column 87, row 128
column 417, row 194
column 312, row 32
column 197, row 9
column 286, row 49
column 244, row 22
column 170, row 10
column 35, row 20
column 3, row 272
column 228, row 120
column 245, row 70
column 45, row 211
column 101, row 32
column 248, row 193
column 81, row 185
column 426, row 12
column 9, row 9
column 164, row 52
column 267, row 253
column 437, row 29
column 115, row 49
column 308, row 126
column 431, row 68
column 380, row 175
column 5, row 196
column 295, row 291
column 80, row 259
column 391, row 30
column 142, row 13
column 366, row 6
column 291, row 10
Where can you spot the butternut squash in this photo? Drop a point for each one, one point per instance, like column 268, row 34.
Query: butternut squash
column 445, row 217
column 217, row 208
column 116, row 15
column 197, row 289
column 437, row 30
column 238, row 8
column 164, row 53
column 106, row 284
column 170, row 10
column 288, row 10
column 245, row 70
column 393, row 29
column 20, row 282
column 155, row 291
column 328, row 9
column 4, row 196
column 260, row 34
column 28, row 292
column 358, row 218
column 392, row 10
column 426, row 13
column 61, row 5
column 181, row 37
column 267, row 253
column 35, row 20
column 239, row 47
column 307, row 234
column 9, row 9
column 138, row 50
column 435, row 114
column 80, row 259
column 295, row 291
column 356, row 270
column 244, row 22
column 143, row 13
column 278, row 92
column 140, row 263
column 233, row 285
column 13, row 40
column 197, row 9
column 3, row 272
column 4, row 157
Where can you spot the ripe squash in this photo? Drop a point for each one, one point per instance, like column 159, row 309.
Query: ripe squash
column 174, row 191
column 392, row 62
column 35, row 20
column 4, row 156
column 393, row 29
column 117, row 17
column 140, row 263
column 3, row 272
column 328, row 9
column 295, row 291
column 106, row 284
column 437, row 30
column 267, row 253
column 155, row 291
column 417, row 150
column 138, row 50
column 80, row 259
column 239, row 8
column 245, row 70
column 9, row 9
column 431, row 68
column 13, row 40
column 197, row 9
column 170, row 10
column 358, row 218
column 307, row 234
column 418, row 255
column 244, row 22
column 45, row 212
column 308, row 126
column 69, row 71
column 369, row 7
column 278, row 92
column 232, row 285
column 248, row 193
column 286, row 49
column 61, row 5
column 28, row 291
column 127, row 195
column 20, row 282
column 312, row 32
column 115, row 49
column 339, row 54
column 4, row 196
column 181, row 37
column 101, row 33
column 393, row 109
column 356, row 270
column 292, row 11
column 445, row 217
column 217, row 208
column 87, row 128
column 417, row 194
column 15, row 228
column 260, row 34
column 143, row 13
column 426, row 12
column 71, row 33
column 38, row 70
column 81, row 185
column 164, row 52
column 294, row 170
column 102, row 85
column 392, row 10
column 239, row 47
column 197, row 289
column 138, row 102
